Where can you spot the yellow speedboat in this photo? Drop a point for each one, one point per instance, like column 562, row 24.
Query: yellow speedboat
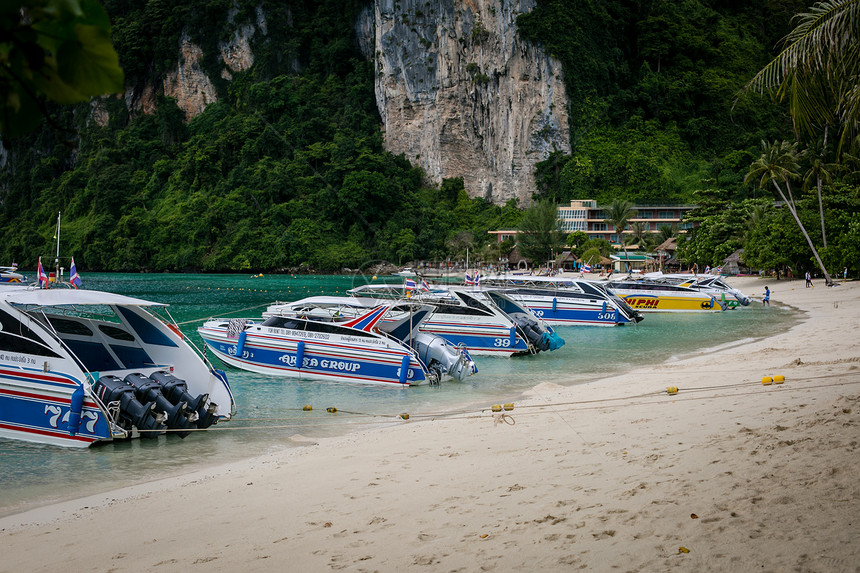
column 654, row 296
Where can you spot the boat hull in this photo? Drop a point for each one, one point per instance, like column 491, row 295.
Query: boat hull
column 645, row 302
column 36, row 407
column 278, row 354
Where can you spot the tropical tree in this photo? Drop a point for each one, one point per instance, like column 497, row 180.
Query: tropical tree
column 52, row 50
column 540, row 232
column 619, row 214
column 779, row 162
column 667, row 231
column 821, row 172
column 639, row 232
column 818, row 70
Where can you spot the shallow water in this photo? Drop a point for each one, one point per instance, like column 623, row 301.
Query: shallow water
column 270, row 409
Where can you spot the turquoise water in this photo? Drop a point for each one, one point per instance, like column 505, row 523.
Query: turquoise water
column 270, row 409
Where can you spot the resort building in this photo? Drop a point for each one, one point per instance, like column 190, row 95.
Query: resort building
column 588, row 217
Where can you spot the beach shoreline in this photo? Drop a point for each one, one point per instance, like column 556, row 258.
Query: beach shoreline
column 611, row 473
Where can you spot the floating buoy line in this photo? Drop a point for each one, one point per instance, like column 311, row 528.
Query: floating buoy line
column 500, row 413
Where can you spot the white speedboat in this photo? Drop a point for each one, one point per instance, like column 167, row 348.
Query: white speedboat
column 484, row 321
column 11, row 275
column 649, row 295
column 565, row 301
column 79, row 367
column 712, row 285
column 361, row 349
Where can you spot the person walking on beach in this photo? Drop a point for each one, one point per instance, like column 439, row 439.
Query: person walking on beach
column 844, row 274
column 808, row 280
column 766, row 300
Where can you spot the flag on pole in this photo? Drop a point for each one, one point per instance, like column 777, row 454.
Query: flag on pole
column 424, row 285
column 477, row 278
column 409, row 285
column 586, row 268
column 469, row 279
column 42, row 277
column 74, row 277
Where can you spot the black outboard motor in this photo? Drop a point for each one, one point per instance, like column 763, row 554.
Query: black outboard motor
column 178, row 418
column 176, row 390
column 143, row 417
column 532, row 332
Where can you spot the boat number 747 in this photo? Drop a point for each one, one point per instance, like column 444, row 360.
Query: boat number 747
column 56, row 411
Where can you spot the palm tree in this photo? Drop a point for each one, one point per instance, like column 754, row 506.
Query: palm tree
column 779, row 162
column 821, row 172
column 618, row 214
column 639, row 231
column 667, row 231
column 818, row 70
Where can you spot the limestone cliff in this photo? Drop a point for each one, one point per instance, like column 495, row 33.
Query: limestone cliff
column 461, row 95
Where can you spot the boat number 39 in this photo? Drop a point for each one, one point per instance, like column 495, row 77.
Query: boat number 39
column 55, row 411
column 502, row 342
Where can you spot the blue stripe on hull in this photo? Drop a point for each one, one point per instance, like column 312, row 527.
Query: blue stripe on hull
column 319, row 363
column 45, row 418
column 564, row 316
column 482, row 343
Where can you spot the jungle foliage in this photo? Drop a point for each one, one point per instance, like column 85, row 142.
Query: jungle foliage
column 287, row 169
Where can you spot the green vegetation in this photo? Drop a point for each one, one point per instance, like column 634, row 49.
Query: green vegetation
column 287, row 169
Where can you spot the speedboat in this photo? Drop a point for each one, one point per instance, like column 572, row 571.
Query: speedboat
column 80, row 367
column 461, row 318
column 361, row 349
column 11, row 275
column 713, row 285
column 650, row 295
column 565, row 301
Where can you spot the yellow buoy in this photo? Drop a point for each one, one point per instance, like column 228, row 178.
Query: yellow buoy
column 405, row 416
column 672, row 390
column 508, row 407
column 767, row 380
column 331, row 409
column 374, row 277
column 778, row 379
column 307, row 408
column 496, row 408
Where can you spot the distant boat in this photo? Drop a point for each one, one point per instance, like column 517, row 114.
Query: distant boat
column 11, row 275
column 649, row 295
column 712, row 285
column 405, row 272
column 565, row 301
column 461, row 318
column 79, row 367
column 356, row 350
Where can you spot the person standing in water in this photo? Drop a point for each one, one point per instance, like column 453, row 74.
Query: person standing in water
column 766, row 300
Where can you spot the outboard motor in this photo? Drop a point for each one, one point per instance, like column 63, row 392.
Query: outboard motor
column 143, row 417
column 438, row 354
column 176, row 390
column 532, row 333
column 149, row 390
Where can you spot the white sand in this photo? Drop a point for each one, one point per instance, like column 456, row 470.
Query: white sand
column 601, row 476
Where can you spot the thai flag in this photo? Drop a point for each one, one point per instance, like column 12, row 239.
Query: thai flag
column 409, row 285
column 469, row 279
column 42, row 277
column 74, row 277
column 477, row 279
column 424, row 285
column 586, row 268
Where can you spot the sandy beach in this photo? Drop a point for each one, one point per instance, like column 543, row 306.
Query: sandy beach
column 728, row 474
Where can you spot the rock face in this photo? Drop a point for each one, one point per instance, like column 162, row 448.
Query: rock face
column 461, row 95
column 188, row 83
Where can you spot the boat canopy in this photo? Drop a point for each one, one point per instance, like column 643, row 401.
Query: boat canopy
column 66, row 297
